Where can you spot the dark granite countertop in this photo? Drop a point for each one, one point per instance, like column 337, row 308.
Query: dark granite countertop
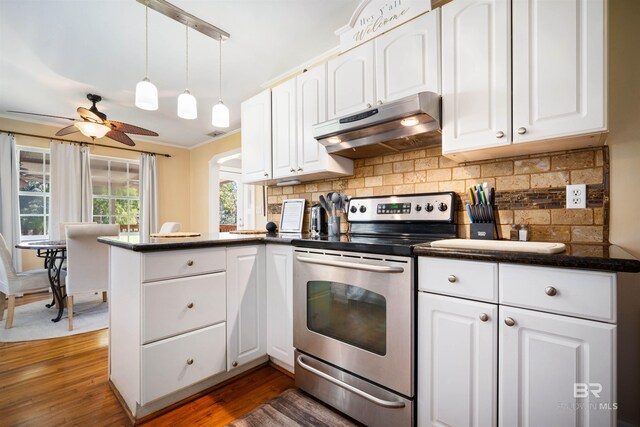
column 136, row 244
column 585, row 256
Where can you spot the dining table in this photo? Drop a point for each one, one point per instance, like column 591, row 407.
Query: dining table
column 54, row 253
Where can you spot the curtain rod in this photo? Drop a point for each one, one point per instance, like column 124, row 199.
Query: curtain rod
column 83, row 142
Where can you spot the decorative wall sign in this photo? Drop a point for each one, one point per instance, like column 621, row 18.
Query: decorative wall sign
column 374, row 17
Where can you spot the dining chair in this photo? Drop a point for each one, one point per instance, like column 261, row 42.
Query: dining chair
column 170, row 227
column 63, row 228
column 13, row 284
column 87, row 261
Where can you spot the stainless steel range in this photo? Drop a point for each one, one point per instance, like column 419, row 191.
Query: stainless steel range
column 354, row 306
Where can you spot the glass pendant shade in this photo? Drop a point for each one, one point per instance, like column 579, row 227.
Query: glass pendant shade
column 92, row 130
column 146, row 95
column 220, row 115
column 187, row 106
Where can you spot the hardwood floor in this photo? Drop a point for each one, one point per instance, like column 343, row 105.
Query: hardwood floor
column 63, row 381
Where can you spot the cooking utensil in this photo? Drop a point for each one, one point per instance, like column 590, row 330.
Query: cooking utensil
column 324, row 203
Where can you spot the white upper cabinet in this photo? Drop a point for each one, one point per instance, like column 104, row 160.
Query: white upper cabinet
column 476, row 74
column 311, row 92
column 256, row 138
column 559, row 68
column 350, row 79
column 555, row 370
column 408, row 59
column 283, row 104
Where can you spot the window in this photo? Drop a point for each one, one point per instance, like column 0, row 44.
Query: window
column 116, row 197
column 33, row 192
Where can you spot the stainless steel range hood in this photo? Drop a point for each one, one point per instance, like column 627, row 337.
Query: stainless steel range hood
column 405, row 124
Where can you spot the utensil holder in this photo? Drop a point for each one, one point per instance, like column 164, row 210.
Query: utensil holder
column 334, row 226
column 483, row 230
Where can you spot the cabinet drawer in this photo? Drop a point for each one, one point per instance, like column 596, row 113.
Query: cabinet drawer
column 588, row 294
column 467, row 279
column 171, row 307
column 190, row 262
column 178, row 362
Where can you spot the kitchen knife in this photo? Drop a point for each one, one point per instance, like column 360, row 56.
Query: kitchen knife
column 469, row 213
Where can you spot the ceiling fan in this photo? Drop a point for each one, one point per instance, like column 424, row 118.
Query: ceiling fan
column 94, row 124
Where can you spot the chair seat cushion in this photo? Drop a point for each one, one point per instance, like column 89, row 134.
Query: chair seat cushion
column 33, row 280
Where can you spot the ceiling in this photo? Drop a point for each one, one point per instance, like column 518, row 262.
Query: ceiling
column 52, row 53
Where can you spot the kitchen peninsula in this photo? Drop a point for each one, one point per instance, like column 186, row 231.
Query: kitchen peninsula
column 190, row 313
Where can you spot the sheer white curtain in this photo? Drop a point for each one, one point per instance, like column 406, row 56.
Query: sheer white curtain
column 9, row 218
column 148, row 195
column 71, row 191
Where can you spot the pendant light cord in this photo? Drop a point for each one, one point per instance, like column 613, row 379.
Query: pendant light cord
column 186, row 49
column 146, row 39
column 220, row 51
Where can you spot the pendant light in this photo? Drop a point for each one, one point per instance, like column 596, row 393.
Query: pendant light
column 187, row 104
column 220, row 112
column 146, row 92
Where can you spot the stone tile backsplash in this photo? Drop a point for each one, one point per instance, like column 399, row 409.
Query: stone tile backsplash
column 529, row 189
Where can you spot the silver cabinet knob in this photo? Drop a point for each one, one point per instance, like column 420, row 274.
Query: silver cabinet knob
column 551, row 291
column 509, row 321
column 522, row 131
column 368, row 105
column 189, row 361
column 299, row 169
column 190, row 263
column 234, row 364
column 266, row 174
column 190, row 305
column 292, row 170
column 452, row 279
column 379, row 102
column 484, row 317
column 499, row 134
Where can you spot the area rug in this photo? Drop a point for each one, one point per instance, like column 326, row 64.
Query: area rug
column 33, row 321
column 293, row 408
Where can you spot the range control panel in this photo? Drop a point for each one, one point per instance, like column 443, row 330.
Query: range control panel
column 410, row 207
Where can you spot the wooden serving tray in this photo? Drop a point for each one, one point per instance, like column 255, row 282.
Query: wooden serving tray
column 248, row 232
column 176, row 234
column 501, row 245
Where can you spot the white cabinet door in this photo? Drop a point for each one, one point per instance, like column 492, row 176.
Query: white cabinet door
column 408, row 58
column 246, row 305
column 280, row 303
column 559, row 65
column 256, row 137
column 312, row 109
column 457, row 362
column 551, row 369
column 283, row 105
column 350, row 81
column 476, row 85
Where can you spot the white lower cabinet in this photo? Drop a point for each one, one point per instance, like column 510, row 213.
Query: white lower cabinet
column 246, row 305
column 457, row 362
column 551, row 369
column 177, row 362
column 280, row 304
column 555, row 370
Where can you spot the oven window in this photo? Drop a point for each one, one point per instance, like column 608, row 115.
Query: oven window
column 349, row 314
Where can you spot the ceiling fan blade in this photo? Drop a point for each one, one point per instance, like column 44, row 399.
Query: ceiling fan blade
column 87, row 114
column 123, row 127
column 43, row 115
column 67, row 130
column 116, row 135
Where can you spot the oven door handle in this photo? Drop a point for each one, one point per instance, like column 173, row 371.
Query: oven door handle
column 353, row 265
column 365, row 395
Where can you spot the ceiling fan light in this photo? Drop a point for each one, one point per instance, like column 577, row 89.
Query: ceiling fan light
column 146, row 95
column 92, row 130
column 187, row 106
column 220, row 115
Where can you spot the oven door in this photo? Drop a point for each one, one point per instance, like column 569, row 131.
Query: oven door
column 356, row 311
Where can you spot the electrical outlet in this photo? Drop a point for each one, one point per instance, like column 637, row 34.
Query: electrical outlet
column 577, row 196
